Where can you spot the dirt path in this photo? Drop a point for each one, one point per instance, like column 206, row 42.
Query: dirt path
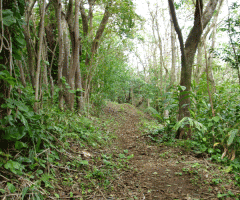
column 128, row 167
column 157, row 172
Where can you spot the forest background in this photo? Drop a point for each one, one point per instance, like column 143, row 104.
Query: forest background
column 71, row 57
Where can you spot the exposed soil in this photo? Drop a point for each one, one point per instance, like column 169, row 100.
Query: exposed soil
column 159, row 172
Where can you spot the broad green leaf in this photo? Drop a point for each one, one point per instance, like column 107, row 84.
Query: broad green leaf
column 57, row 195
column 221, row 195
column 200, row 126
column 2, row 191
column 23, row 120
column 20, row 145
column 210, row 124
column 106, row 162
column 79, row 90
column 21, row 106
column 192, row 113
column 11, row 187
column 38, row 196
column 130, row 156
column 232, row 135
column 125, row 151
column 211, row 150
column 21, row 40
column 181, row 88
column 180, row 123
column 190, row 122
column 24, row 192
column 72, row 91
column 5, row 75
column 15, row 167
column 24, row 159
column 231, row 194
column 71, row 194
column 84, row 162
column 39, row 171
column 8, row 18
column 216, row 118
column 121, row 155
column 228, row 169
column 14, row 133
column 17, row 54
column 46, row 62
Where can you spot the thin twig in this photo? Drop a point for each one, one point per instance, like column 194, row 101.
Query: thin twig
column 98, row 189
column 4, row 177
column 42, row 152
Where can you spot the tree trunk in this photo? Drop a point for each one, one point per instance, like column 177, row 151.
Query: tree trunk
column 58, row 8
column 173, row 49
column 199, row 66
column 76, row 64
column 45, row 77
column 66, row 61
column 22, row 75
column 38, row 71
column 79, row 96
column 188, row 52
column 75, row 40
column 26, row 32
column 94, row 48
column 238, row 71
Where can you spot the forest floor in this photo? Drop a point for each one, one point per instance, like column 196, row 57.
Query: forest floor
column 128, row 166
column 157, row 171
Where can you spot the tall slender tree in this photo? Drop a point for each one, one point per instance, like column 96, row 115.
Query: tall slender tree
column 39, row 53
column 73, row 23
column 58, row 8
column 188, row 50
column 173, row 50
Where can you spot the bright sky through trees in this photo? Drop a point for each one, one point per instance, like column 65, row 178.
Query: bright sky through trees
column 185, row 21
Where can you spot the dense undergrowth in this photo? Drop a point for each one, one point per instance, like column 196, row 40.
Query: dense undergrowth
column 40, row 152
column 214, row 136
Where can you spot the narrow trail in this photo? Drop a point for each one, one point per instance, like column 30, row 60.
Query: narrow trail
column 129, row 166
column 157, row 172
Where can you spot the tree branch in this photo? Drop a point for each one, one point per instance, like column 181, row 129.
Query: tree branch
column 84, row 19
column 177, row 28
column 101, row 28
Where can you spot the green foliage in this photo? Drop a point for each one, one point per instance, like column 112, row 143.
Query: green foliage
column 41, row 138
column 153, row 112
column 32, row 142
column 8, row 18
column 218, row 136
column 125, row 18
column 5, row 76
column 13, row 21
column 14, row 167
column 231, row 53
column 162, row 135
column 112, row 79
column 11, row 187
